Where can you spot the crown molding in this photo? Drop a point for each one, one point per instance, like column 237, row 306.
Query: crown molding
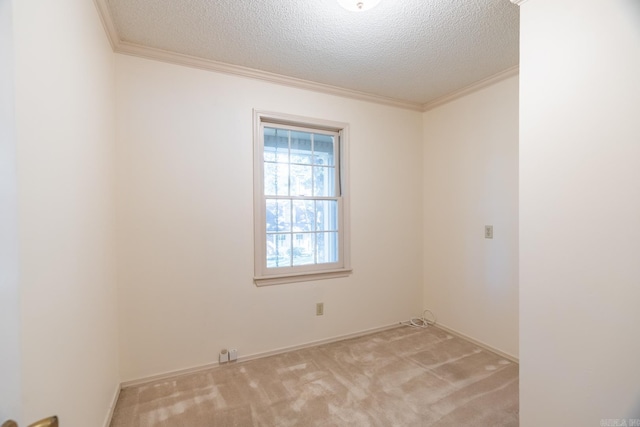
column 518, row 2
column 221, row 67
column 107, row 23
column 120, row 46
column 481, row 84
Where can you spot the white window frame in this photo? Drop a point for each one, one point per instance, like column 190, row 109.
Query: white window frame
column 271, row 276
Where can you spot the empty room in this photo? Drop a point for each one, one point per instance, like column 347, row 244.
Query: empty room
column 279, row 213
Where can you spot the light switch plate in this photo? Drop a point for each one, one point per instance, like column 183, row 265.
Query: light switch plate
column 488, row 231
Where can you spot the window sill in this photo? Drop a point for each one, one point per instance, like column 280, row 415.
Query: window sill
column 301, row 277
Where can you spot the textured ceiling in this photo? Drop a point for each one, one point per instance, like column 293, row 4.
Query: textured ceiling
column 413, row 51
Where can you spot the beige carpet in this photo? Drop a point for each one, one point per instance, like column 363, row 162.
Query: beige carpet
column 399, row 377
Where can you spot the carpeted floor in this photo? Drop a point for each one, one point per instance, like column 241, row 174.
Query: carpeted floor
column 399, row 377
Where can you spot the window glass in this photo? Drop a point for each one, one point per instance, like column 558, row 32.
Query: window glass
column 301, row 219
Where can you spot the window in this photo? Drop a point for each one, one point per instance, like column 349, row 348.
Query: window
column 300, row 199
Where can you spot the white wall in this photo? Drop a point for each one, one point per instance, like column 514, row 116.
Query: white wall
column 185, row 215
column 9, row 294
column 65, row 132
column 471, row 180
column 579, row 212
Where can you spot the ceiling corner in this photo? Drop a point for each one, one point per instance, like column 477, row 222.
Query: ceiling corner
column 481, row 84
column 107, row 23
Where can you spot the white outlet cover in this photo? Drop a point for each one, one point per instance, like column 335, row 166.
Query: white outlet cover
column 488, row 231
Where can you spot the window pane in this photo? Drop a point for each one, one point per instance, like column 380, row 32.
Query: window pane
column 276, row 141
column 301, row 181
column 301, row 151
column 278, row 215
column 271, row 213
column 270, row 173
column 323, row 181
column 303, row 215
column 323, row 146
column 276, row 179
column 269, row 155
column 327, row 247
column 326, row 215
column 282, row 179
column 278, row 250
column 303, row 245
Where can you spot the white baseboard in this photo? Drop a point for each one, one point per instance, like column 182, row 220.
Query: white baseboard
column 112, row 408
column 187, row 371
column 478, row 343
column 168, row 375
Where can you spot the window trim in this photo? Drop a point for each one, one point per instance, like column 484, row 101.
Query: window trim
column 262, row 277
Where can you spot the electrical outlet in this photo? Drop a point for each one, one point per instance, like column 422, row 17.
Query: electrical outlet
column 233, row 355
column 320, row 309
column 488, row 231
